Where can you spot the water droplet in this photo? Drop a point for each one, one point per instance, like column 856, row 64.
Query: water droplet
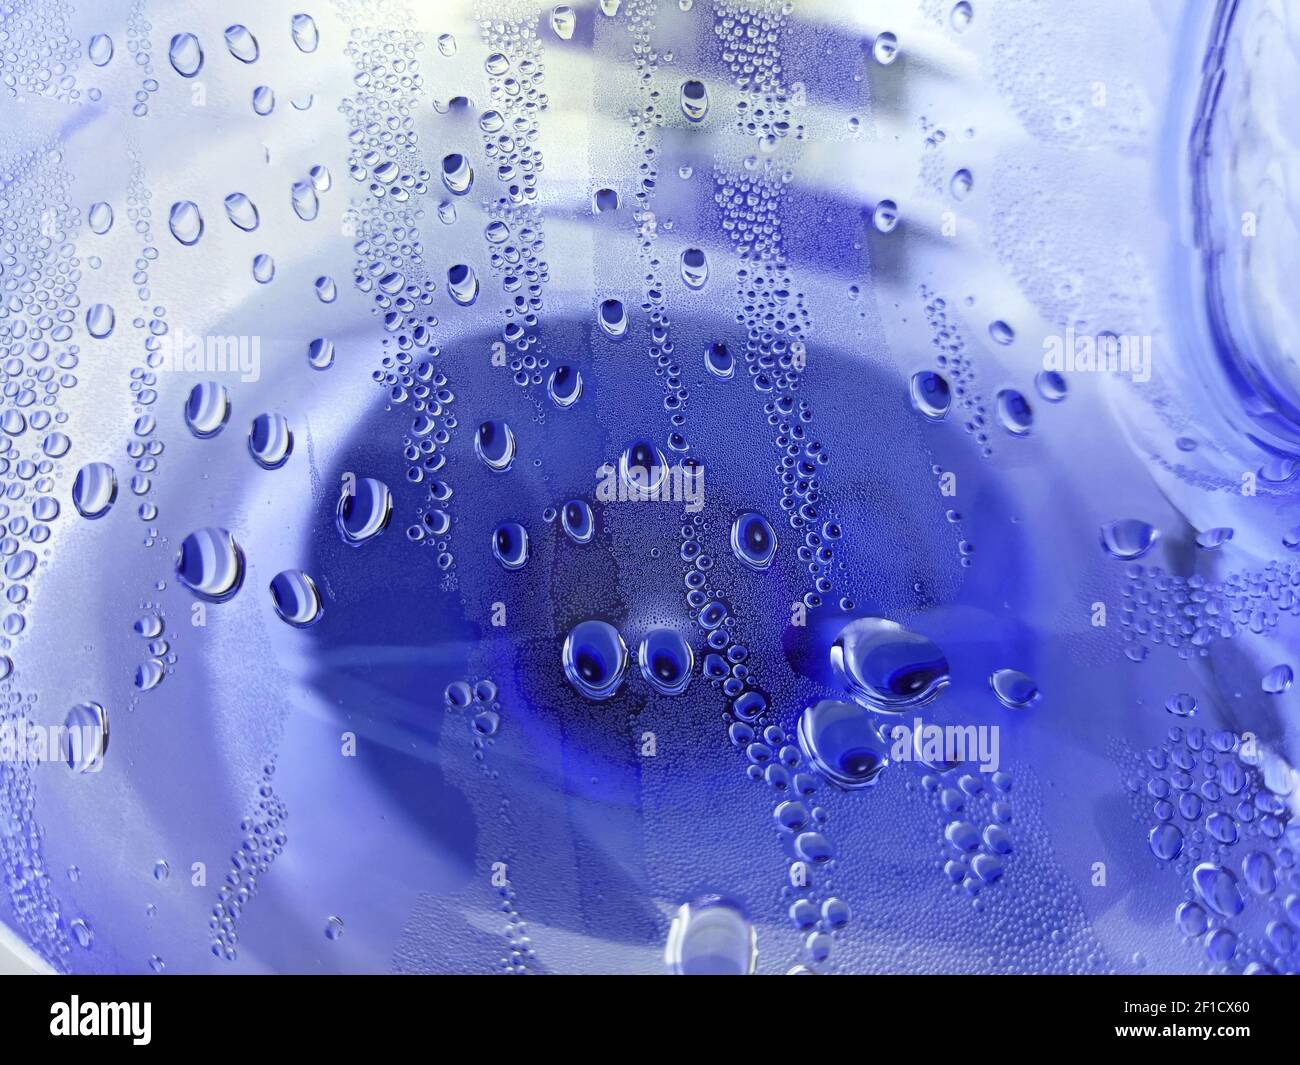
column 306, row 205
column 296, row 598
column 186, row 222
column 961, row 184
column 186, row 55
column 711, row 936
column 95, row 489
column 211, row 564
column 564, row 386
column 263, row 100
column 1278, row 679
column 642, row 468
column 1015, row 690
column 241, row 43
column 666, row 661
column 1128, row 538
column 885, row 667
column 494, row 443
column 208, row 409
column 612, row 318
column 694, row 100
column 931, row 394
column 604, row 201
column 1051, row 385
column 563, row 22
column 364, row 511
column 1014, row 412
column 719, row 361
column 263, row 269
column 578, row 522
column 87, row 737
column 305, row 34
column 100, row 320
column 462, row 284
column 753, row 540
column 1002, row 333
column 333, row 926
column 446, row 44
column 885, row 216
column 270, row 441
column 1182, row 704
column 962, row 13
column 510, row 545
column 457, row 174
column 1212, row 539
column 100, row 218
column 595, row 659
column 694, row 268
column 885, row 48
column 242, row 212
column 320, row 353
column 1218, row 889
column 100, row 49
column 842, row 741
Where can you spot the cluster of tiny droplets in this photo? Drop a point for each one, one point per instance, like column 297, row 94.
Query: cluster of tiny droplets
column 646, row 123
column 955, row 363
column 1209, row 813
column 476, row 702
column 976, row 839
column 140, row 46
column 1190, row 613
column 386, row 163
column 263, row 841
column 27, row 880
column 145, row 447
column 514, row 235
column 39, row 51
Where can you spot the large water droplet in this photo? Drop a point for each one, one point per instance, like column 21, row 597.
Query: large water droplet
column 1015, row 690
column 296, row 598
column 305, row 34
column 563, row 22
column 186, row 55
column 564, row 386
column 241, row 211
column 462, row 284
column 719, row 361
column 100, row 320
column 100, row 49
column 753, row 540
column 577, row 520
column 1128, row 538
column 186, row 222
column 510, row 545
column 270, row 441
column 208, row 409
column 612, row 318
column 306, row 205
column 666, row 661
column 842, row 741
column 457, row 174
column 694, row 268
column 931, row 394
column 885, row 667
column 1218, row 889
column 595, row 659
column 711, row 936
column 241, row 43
column 87, row 737
column 694, row 100
column 94, row 490
column 100, row 218
column 211, row 564
column 364, row 510
column 494, row 443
